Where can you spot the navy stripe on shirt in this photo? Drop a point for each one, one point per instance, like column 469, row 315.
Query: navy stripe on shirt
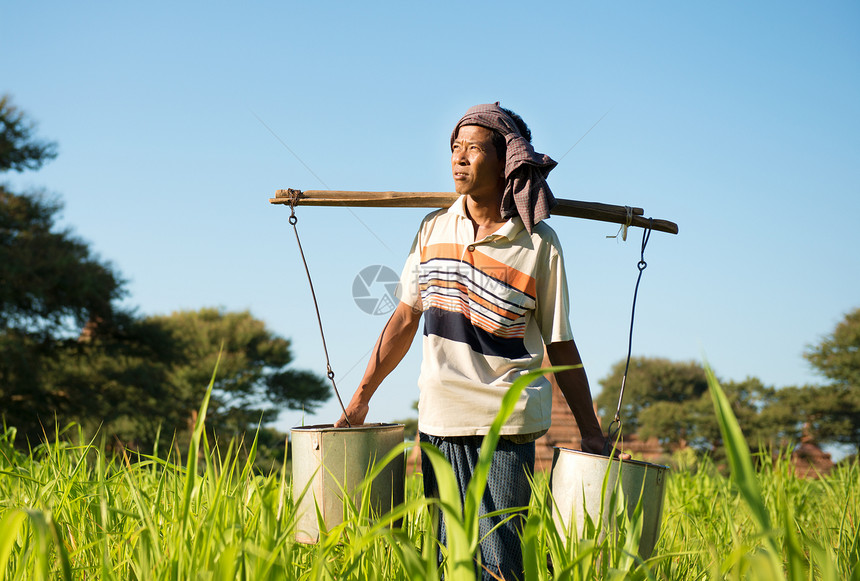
column 456, row 327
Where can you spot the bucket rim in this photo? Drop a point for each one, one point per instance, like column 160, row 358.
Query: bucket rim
column 631, row 461
column 359, row 428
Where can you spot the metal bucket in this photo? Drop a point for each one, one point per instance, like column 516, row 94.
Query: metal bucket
column 329, row 460
column 577, row 483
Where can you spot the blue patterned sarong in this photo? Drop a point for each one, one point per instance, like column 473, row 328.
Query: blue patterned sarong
column 507, row 487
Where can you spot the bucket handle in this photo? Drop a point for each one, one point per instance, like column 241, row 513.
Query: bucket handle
column 294, row 198
column 614, row 435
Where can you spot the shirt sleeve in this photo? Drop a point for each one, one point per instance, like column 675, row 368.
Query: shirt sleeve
column 552, row 311
column 408, row 289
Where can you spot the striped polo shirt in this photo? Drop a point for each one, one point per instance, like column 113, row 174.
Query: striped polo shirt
column 489, row 306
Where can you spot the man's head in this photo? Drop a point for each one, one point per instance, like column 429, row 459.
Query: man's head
column 473, row 150
column 477, row 167
column 524, row 189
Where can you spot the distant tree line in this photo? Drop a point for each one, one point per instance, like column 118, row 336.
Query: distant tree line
column 69, row 353
column 669, row 400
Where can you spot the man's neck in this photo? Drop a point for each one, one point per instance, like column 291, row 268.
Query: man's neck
column 485, row 214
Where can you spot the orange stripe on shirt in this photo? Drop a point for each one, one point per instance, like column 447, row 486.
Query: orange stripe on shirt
column 492, row 268
column 460, row 305
column 464, row 290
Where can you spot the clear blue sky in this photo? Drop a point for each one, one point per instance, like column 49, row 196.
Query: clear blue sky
column 737, row 120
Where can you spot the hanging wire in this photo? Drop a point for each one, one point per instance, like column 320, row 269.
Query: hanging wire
column 294, row 198
column 642, row 265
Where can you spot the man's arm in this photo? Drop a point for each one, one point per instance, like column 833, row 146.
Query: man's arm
column 574, row 387
column 391, row 347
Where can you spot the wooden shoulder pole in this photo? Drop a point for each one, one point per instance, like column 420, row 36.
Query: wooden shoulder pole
column 571, row 208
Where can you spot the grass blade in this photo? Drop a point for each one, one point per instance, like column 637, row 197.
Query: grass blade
column 10, row 527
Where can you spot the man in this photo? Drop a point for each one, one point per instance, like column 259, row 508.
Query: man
column 488, row 275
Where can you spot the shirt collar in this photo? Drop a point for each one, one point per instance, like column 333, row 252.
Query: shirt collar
column 509, row 229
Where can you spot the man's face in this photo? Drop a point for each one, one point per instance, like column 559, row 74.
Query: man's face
column 478, row 171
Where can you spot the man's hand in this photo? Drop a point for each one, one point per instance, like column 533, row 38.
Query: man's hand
column 356, row 412
column 595, row 445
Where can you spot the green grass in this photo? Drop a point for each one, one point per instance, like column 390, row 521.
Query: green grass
column 70, row 511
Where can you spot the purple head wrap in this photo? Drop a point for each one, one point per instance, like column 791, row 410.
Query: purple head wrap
column 526, row 192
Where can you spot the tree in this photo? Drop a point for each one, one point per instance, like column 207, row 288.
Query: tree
column 788, row 415
column 837, row 356
column 834, row 414
column 254, row 379
column 19, row 150
column 51, row 283
column 49, row 276
column 114, row 378
column 670, row 401
column 649, row 380
column 141, row 380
